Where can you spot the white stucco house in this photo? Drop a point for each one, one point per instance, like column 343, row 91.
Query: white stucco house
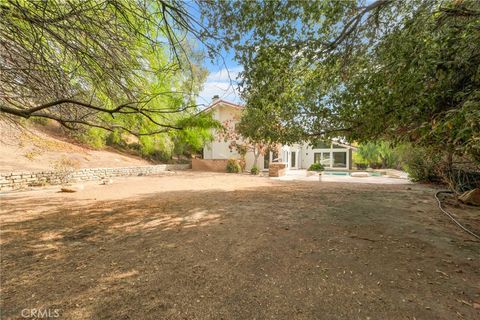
column 332, row 155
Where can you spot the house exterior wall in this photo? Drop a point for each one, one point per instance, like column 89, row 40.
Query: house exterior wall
column 291, row 152
column 304, row 154
column 218, row 148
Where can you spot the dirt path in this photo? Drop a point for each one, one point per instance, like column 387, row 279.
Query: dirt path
column 218, row 246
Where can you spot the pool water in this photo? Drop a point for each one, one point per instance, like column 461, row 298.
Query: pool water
column 346, row 173
column 335, row 173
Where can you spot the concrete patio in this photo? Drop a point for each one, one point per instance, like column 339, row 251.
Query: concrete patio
column 304, row 175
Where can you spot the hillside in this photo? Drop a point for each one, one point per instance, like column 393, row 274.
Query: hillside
column 39, row 148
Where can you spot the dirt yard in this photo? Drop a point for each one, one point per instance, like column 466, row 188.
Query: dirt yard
column 217, row 246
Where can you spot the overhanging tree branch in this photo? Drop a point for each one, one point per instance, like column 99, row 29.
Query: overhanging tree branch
column 102, row 53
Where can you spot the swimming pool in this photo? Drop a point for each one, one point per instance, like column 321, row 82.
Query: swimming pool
column 347, row 173
column 335, row 173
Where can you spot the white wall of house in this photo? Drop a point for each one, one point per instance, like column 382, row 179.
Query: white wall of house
column 292, row 156
column 302, row 156
column 218, row 148
column 296, row 156
column 331, row 158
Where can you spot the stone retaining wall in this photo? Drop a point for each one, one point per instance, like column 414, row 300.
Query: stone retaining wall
column 19, row 180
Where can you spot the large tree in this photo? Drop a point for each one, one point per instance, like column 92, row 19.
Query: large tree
column 110, row 64
column 400, row 70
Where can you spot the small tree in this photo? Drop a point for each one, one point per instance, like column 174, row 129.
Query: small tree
column 64, row 168
column 234, row 132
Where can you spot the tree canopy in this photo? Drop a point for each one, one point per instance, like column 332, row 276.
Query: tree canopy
column 115, row 65
column 397, row 70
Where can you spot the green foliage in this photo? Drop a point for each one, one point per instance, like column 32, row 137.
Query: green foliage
column 421, row 164
column 160, row 147
column 359, row 161
column 233, row 166
column 94, row 137
column 399, row 71
column 115, row 139
column 316, row 167
column 369, row 152
column 389, row 155
column 255, row 170
column 157, row 147
column 242, row 150
column 125, row 66
column 377, row 155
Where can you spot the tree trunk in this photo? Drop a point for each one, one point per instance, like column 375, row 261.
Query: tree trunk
column 256, row 154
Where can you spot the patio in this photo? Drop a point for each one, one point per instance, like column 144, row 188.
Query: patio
column 397, row 177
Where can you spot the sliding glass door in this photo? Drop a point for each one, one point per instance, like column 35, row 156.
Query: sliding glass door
column 293, row 161
column 339, row 159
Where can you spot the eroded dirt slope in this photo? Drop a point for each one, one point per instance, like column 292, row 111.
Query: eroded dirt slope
column 33, row 149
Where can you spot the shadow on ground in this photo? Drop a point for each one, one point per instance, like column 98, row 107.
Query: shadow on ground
column 292, row 251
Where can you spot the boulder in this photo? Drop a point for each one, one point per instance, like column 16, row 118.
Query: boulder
column 72, row 188
column 107, row 181
column 471, row 197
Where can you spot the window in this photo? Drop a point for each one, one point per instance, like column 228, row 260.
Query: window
column 271, row 155
column 322, row 158
column 339, row 159
column 275, row 155
column 326, row 159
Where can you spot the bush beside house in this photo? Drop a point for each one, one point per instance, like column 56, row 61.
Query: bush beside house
column 316, row 167
column 233, row 166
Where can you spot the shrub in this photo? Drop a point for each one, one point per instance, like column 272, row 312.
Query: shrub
column 242, row 164
column 158, row 156
column 421, row 164
column 380, row 154
column 94, row 137
column 361, row 166
column 376, row 165
column 135, row 146
column 254, row 170
column 64, row 168
column 114, row 139
column 233, row 166
column 316, row 167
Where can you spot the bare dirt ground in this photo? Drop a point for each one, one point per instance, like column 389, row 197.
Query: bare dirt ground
column 218, row 246
column 32, row 149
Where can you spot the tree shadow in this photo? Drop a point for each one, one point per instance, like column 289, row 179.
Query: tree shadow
column 257, row 252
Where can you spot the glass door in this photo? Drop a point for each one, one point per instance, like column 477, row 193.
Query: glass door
column 339, row 159
column 293, row 161
column 326, row 160
column 266, row 159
